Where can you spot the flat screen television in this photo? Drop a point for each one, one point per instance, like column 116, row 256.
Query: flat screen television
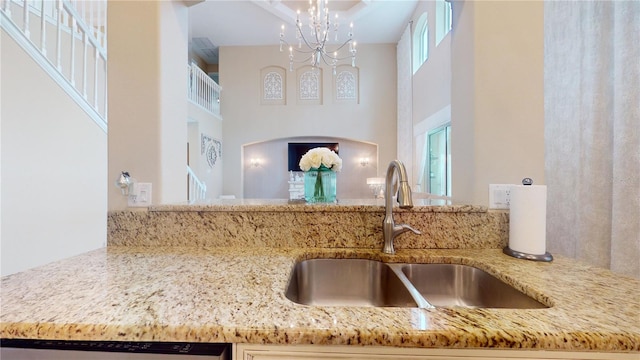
column 297, row 150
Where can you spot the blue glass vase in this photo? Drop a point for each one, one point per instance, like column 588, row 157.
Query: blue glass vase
column 320, row 185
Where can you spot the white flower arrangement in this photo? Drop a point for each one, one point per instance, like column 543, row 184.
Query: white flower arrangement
column 316, row 157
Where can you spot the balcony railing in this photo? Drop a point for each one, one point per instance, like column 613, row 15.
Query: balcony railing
column 68, row 39
column 203, row 91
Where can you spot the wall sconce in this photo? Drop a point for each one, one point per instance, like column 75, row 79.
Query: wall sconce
column 364, row 161
column 124, row 183
column 255, row 162
column 376, row 185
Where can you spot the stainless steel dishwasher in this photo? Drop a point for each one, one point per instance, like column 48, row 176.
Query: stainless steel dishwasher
column 19, row 349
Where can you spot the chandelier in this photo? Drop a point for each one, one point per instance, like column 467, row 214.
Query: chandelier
column 313, row 47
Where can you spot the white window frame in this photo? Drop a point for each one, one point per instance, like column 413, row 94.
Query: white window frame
column 420, row 43
column 443, row 20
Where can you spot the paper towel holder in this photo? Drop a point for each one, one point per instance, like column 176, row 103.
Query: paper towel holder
column 520, row 255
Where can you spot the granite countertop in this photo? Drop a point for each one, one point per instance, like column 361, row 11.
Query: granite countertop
column 236, row 294
column 343, row 205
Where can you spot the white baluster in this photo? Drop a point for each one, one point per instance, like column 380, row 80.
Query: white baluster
column 199, row 89
column 58, row 35
column 207, row 94
column 217, row 104
column 84, row 65
column 212, row 94
column 203, row 92
column 91, row 22
column 95, row 80
column 25, row 19
column 99, row 22
column 50, row 9
column 104, row 25
column 188, row 82
column 43, row 30
column 194, row 84
column 7, row 8
column 209, row 91
column 74, row 28
column 63, row 14
column 104, row 85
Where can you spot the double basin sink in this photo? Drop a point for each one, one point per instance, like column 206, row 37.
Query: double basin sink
column 361, row 282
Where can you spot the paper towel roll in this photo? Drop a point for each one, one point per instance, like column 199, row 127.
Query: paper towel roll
column 528, row 219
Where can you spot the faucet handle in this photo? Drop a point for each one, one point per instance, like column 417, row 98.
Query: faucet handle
column 409, row 228
column 396, row 230
column 403, row 228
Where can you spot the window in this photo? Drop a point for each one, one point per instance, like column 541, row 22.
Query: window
column 443, row 19
column 439, row 161
column 424, row 44
column 420, row 42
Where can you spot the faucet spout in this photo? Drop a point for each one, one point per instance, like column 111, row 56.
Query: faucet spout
column 405, row 201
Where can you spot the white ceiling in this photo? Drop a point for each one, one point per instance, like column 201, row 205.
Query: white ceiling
column 215, row 23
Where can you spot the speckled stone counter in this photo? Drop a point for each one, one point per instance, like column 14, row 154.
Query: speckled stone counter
column 278, row 223
column 218, row 272
column 236, row 294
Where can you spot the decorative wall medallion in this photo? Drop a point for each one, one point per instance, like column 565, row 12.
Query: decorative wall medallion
column 211, row 148
column 273, row 86
column 346, row 86
column 309, row 86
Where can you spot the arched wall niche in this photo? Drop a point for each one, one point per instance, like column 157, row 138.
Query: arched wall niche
column 273, row 85
column 266, row 175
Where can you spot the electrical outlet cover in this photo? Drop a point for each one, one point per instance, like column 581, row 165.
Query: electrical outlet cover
column 141, row 195
column 499, row 196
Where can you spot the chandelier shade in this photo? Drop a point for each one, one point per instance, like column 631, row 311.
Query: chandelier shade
column 313, row 40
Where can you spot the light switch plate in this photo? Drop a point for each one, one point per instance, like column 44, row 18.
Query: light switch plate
column 499, row 196
column 141, row 195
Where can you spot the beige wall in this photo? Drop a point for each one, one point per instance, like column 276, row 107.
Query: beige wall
column 497, row 96
column 147, row 97
column 432, row 81
column 247, row 121
column 54, row 172
column 431, row 92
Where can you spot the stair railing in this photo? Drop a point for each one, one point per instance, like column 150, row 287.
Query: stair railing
column 67, row 38
column 203, row 90
column 197, row 189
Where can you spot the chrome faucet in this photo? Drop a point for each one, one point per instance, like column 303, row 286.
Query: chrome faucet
column 389, row 227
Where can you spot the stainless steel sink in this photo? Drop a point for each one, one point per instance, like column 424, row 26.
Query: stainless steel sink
column 347, row 282
column 445, row 285
column 360, row 282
